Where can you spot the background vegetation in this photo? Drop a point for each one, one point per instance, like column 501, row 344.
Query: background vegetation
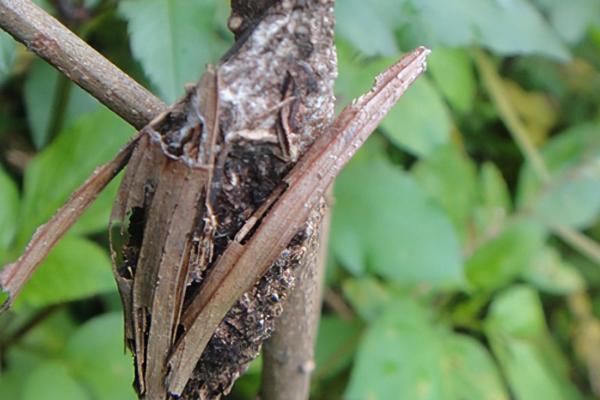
column 464, row 257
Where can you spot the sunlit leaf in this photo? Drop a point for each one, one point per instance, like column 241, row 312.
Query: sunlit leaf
column 550, row 273
column 173, row 40
column 451, row 178
column 453, row 74
column 531, row 361
column 52, row 380
column 571, row 18
column 405, row 355
column 572, row 197
column 502, row 258
column 535, row 110
column 384, row 221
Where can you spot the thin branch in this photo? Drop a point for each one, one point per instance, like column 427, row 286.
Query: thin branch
column 14, row 276
column 288, row 356
column 52, row 41
column 23, row 330
column 578, row 241
column 508, row 114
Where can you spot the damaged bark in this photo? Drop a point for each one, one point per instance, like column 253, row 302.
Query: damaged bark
column 214, row 216
column 203, row 174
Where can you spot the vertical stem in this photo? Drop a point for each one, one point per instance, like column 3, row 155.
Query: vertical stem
column 515, row 126
column 288, row 356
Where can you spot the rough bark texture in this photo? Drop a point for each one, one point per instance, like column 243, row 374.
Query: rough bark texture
column 211, row 198
column 292, row 44
column 233, row 142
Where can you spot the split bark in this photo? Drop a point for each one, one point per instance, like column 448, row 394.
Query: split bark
column 273, row 94
column 260, row 108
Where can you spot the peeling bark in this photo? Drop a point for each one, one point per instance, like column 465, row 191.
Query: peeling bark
column 178, row 209
column 213, row 199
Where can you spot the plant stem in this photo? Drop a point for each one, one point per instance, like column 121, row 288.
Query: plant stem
column 578, row 241
column 493, row 83
column 508, row 114
column 51, row 40
column 288, row 356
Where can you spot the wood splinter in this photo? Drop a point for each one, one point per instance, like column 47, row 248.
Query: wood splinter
column 214, row 212
column 240, row 265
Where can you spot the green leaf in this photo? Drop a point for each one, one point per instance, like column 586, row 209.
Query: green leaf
column 494, row 203
column 11, row 382
column 531, row 361
column 453, row 74
column 550, row 273
column 471, row 370
column 419, row 123
column 404, row 355
column 76, row 268
column 43, row 101
column 351, row 26
column 173, row 40
column 505, row 27
column 367, row 296
column 572, row 197
column 382, row 219
column 248, row 385
column 9, row 209
column 57, row 171
column 48, row 339
column 571, row 19
column 52, row 380
column 336, row 344
column 451, row 178
column 503, row 258
column 95, row 355
column 8, row 52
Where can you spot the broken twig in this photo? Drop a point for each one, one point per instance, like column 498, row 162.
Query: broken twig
column 15, row 275
column 246, row 259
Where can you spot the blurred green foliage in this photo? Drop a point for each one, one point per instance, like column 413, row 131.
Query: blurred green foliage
column 464, row 257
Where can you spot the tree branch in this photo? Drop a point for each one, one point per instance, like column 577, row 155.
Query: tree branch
column 250, row 254
column 52, row 41
column 288, row 356
column 14, row 276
